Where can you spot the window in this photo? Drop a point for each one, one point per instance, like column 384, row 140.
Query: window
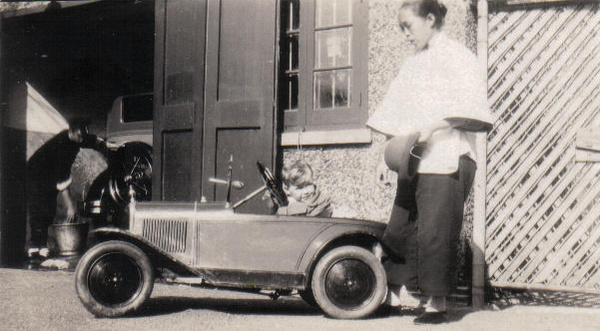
column 323, row 70
column 137, row 108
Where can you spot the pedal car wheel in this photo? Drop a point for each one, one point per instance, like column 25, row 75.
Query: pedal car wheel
column 113, row 278
column 349, row 282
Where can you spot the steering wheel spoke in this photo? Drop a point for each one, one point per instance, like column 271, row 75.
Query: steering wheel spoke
column 269, row 180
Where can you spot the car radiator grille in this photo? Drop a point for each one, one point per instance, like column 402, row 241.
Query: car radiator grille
column 169, row 235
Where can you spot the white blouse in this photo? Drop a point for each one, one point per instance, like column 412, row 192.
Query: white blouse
column 437, row 83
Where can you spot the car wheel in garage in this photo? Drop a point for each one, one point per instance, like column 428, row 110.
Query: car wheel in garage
column 114, row 278
column 133, row 171
column 349, row 282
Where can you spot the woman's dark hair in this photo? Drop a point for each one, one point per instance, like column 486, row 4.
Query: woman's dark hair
column 79, row 123
column 426, row 7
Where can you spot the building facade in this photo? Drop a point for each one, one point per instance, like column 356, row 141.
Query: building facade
column 281, row 80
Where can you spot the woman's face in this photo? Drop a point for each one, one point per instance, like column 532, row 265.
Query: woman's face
column 76, row 135
column 418, row 30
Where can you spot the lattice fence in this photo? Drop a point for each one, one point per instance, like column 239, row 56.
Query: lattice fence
column 543, row 207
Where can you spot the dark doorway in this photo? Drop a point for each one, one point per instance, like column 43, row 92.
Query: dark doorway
column 79, row 58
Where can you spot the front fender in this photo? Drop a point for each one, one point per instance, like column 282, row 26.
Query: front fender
column 335, row 236
column 96, row 198
column 158, row 257
column 98, row 187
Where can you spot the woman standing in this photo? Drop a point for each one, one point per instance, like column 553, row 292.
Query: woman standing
column 439, row 96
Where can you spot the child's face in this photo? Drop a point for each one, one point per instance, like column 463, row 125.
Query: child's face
column 299, row 193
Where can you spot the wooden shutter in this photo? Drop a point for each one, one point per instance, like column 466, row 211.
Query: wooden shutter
column 240, row 77
column 179, row 99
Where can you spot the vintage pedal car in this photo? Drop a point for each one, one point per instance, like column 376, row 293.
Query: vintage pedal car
column 328, row 261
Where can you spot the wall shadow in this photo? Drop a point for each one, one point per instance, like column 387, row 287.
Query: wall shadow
column 13, row 147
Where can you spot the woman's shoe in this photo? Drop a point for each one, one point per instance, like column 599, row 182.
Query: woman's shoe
column 437, row 317
column 44, row 252
column 33, row 252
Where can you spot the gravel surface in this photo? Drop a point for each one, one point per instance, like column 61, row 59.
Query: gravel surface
column 46, row 300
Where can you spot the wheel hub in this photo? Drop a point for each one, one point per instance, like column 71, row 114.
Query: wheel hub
column 349, row 283
column 114, row 279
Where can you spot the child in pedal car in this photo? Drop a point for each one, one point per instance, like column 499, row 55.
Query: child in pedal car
column 304, row 198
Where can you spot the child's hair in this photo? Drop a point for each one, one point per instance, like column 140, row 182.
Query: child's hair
column 426, row 7
column 299, row 174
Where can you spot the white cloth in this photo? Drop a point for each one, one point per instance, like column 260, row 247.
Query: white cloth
column 64, row 185
column 440, row 82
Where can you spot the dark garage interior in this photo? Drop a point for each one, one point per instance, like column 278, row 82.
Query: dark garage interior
column 79, row 58
column 82, row 57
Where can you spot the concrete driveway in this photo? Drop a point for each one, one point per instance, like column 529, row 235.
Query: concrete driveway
column 46, row 300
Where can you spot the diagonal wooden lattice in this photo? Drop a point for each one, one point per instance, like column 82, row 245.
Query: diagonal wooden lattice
column 543, row 207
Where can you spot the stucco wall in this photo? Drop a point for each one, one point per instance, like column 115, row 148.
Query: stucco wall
column 347, row 173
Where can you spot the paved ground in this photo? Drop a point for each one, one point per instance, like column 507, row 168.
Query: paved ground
column 46, row 300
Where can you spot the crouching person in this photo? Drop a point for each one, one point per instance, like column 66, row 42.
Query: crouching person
column 49, row 177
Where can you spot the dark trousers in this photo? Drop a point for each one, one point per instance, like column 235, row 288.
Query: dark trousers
column 423, row 233
column 41, row 209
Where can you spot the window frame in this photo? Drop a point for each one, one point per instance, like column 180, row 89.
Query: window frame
column 308, row 125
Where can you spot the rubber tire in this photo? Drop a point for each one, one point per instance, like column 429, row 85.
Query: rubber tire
column 100, row 255
column 370, row 270
column 123, row 163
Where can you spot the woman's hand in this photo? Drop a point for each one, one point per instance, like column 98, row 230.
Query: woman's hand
column 427, row 132
column 71, row 213
column 384, row 174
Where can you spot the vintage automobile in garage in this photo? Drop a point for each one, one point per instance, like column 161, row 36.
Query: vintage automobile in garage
column 129, row 130
column 327, row 261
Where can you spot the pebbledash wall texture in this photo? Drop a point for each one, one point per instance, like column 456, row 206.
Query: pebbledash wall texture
column 347, row 172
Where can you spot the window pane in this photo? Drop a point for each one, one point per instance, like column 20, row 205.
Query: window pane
column 289, row 55
column 289, row 93
column 295, row 13
column 333, row 12
column 332, row 89
column 293, row 53
column 290, row 15
column 138, row 108
column 332, row 48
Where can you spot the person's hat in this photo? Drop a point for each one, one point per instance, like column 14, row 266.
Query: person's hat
column 398, row 156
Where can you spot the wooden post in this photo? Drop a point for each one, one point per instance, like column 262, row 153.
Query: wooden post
column 2, row 96
column 479, row 213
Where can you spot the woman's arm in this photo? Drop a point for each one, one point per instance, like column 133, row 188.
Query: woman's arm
column 70, row 204
column 426, row 133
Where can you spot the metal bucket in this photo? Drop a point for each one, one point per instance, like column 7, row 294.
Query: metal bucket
column 70, row 238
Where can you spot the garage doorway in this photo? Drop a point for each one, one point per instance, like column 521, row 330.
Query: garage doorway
column 79, row 56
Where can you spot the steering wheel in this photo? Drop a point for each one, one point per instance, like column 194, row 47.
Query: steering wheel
column 271, row 185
